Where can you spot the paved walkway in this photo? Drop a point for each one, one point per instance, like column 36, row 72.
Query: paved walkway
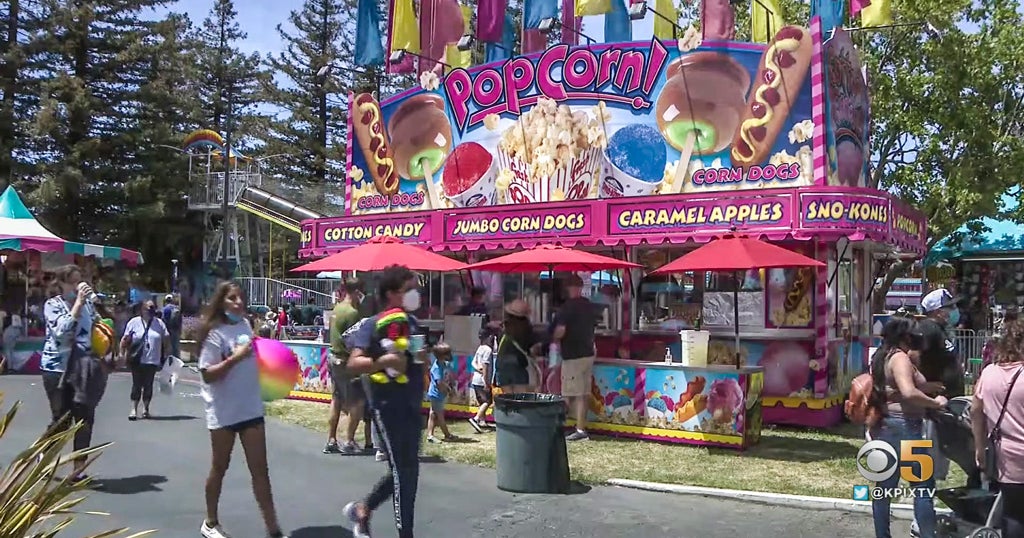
column 154, row 476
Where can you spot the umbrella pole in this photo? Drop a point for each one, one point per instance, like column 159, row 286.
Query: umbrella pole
column 736, row 316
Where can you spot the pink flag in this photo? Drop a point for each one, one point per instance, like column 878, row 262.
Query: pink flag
column 441, row 24
column 570, row 23
column 857, row 5
column 533, row 40
column 490, row 20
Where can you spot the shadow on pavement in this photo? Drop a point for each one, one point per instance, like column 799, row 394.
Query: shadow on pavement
column 130, row 484
column 578, row 488
column 171, row 418
column 431, row 459
column 332, row 531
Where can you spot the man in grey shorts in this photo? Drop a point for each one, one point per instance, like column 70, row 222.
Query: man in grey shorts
column 348, row 394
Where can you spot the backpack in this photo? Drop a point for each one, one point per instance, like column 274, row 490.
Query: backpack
column 858, row 407
column 349, row 336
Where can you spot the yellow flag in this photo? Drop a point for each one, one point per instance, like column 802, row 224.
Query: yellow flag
column 765, row 20
column 593, row 7
column 878, row 13
column 662, row 28
column 452, row 55
column 405, row 30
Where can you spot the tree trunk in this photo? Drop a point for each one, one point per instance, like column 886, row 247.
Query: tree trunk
column 882, row 288
column 9, row 85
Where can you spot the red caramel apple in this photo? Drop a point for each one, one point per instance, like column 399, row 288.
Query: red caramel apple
column 420, row 135
column 782, row 71
column 705, row 94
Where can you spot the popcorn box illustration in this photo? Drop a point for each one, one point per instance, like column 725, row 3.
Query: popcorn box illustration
column 573, row 181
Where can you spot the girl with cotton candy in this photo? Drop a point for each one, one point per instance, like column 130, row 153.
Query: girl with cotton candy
column 234, row 409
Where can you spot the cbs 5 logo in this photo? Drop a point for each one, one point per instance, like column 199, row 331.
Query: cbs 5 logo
column 878, row 461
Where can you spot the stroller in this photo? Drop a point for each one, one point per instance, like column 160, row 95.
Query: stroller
column 976, row 509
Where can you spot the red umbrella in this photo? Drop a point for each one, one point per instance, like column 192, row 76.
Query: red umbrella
column 735, row 254
column 380, row 252
column 551, row 258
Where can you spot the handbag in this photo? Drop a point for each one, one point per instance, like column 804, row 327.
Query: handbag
column 991, row 469
column 138, row 348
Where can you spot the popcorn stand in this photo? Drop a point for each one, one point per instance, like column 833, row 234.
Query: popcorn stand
column 642, row 151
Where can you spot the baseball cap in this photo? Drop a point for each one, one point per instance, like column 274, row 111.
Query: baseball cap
column 169, row 297
column 940, row 298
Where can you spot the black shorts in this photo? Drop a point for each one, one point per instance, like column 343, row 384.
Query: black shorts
column 510, row 372
column 346, row 389
column 483, row 395
column 240, row 427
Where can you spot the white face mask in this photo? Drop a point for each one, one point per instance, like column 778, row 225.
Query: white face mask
column 411, row 300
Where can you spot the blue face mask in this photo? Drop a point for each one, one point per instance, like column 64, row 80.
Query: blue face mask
column 233, row 318
column 954, row 316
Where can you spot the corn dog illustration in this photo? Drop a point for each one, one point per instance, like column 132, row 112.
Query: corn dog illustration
column 801, row 285
column 784, row 66
column 373, row 142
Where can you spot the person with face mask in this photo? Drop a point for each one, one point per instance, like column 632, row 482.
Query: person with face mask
column 394, row 403
column 939, row 363
column 146, row 345
column 348, row 394
column 73, row 378
column 230, row 390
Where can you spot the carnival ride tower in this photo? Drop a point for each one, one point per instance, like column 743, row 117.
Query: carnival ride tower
column 207, row 190
column 247, row 204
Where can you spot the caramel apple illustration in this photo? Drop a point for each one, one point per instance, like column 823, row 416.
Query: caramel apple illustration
column 704, row 97
column 421, row 136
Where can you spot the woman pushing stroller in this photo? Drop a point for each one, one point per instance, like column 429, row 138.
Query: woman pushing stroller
column 900, row 398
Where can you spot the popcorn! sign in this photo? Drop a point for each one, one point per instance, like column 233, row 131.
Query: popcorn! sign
column 606, row 121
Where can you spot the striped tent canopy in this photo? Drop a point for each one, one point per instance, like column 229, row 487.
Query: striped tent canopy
column 20, row 231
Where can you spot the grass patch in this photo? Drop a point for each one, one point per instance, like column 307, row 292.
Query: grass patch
column 787, row 460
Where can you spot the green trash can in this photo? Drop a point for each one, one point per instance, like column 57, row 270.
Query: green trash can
column 530, row 443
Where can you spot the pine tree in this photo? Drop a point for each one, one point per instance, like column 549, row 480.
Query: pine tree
column 18, row 88
column 156, row 219
column 225, row 73
column 313, row 131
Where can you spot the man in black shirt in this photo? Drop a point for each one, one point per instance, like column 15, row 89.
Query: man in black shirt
column 574, row 333
column 939, row 361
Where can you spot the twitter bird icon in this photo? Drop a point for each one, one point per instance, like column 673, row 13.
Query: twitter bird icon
column 861, row 493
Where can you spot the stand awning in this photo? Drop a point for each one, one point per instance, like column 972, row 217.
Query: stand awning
column 20, row 231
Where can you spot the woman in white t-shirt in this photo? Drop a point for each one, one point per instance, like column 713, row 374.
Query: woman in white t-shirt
column 146, row 345
column 231, row 394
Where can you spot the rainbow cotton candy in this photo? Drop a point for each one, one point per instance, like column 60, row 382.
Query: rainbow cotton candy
column 279, row 368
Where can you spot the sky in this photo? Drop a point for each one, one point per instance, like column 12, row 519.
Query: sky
column 259, row 18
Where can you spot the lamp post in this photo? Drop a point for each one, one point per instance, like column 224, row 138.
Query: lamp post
column 325, row 71
column 551, row 23
column 227, row 176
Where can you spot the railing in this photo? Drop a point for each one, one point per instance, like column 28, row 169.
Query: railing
column 207, row 190
column 970, row 345
column 270, row 292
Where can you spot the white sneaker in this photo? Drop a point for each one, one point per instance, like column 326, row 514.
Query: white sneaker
column 381, row 456
column 360, row 527
column 215, row 531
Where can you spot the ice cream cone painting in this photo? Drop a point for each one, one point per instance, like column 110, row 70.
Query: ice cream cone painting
column 633, row 119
